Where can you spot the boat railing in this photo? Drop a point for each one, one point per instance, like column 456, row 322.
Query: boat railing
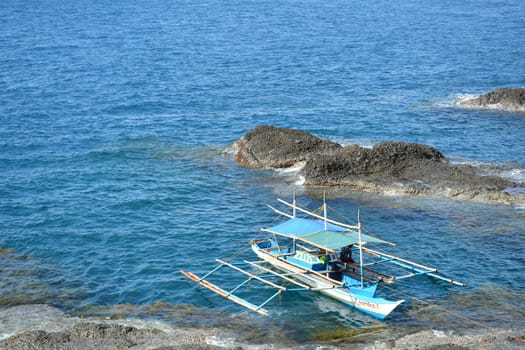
column 283, row 250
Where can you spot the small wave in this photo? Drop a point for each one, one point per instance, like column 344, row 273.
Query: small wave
column 515, row 174
column 291, row 175
column 520, row 207
column 22, row 318
column 347, row 142
column 510, row 171
column 221, row 341
column 515, row 191
column 300, row 181
column 452, row 101
column 297, row 167
column 463, row 97
column 231, row 149
column 456, row 100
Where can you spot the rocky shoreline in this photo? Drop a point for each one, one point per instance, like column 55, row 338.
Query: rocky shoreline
column 60, row 332
column 119, row 335
column 387, row 167
column 508, row 99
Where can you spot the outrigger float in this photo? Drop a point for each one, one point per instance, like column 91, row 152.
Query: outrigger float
column 314, row 253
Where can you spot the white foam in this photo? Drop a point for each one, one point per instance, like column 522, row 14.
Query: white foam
column 300, row 181
column 439, row 334
column 23, row 318
column 297, row 167
column 509, row 171
column 347, row 142
column 223, row 342
column 452, row 101
column 5, row 335
column 463, row 97
column 520, row 207
column 459, row 98
column 231, row 149
column 292, row 174
column 516, row 174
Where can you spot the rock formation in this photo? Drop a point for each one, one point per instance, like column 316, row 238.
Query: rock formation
column 505, row 98
column 94, row 336
column 269, row 146
column 388, row 167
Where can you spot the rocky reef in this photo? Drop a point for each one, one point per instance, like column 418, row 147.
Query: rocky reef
column 387, row 167
column 115, row 336
column 268, row 146
column 511, row 99
column 45, row 327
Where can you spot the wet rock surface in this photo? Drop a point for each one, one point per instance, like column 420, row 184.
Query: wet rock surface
column 91, row 336
column 388, row 167
column 48, row 328
column 504, row 98
column 439, row 340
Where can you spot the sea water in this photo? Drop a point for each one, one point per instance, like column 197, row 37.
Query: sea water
column 117, row 117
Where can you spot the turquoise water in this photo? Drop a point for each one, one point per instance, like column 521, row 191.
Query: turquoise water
column 115, row 169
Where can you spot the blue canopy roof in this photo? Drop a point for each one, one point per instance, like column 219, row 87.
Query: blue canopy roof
column 299, row 227
column 314, row 232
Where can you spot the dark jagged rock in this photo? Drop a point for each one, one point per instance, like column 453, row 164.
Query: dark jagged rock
column 385, row 160
column 388, row 167
column 94, row 336
column 269, row 146
column 71, row 333
column 81, row 336
column 504, row 98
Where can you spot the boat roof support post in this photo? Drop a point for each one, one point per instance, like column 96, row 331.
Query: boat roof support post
column 360, row 247
column 324, row 212
column 352, row 227
column 294, row 205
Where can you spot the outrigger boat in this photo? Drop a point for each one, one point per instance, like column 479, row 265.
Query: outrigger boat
column 314, row 253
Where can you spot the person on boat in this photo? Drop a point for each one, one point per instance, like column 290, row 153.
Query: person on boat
column 346, row 255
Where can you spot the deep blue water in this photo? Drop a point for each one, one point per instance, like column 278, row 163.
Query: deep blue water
column 116, row 118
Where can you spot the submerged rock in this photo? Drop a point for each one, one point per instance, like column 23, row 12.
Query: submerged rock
column 388, row 167
column 504, row 98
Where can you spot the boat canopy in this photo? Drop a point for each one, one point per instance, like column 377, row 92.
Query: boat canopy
column 300, row 226
column 313, row 232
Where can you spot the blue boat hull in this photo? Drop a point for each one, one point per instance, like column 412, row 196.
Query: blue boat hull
column 350, row 292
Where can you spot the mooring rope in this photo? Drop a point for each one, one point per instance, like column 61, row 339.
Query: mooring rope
column 237, row 253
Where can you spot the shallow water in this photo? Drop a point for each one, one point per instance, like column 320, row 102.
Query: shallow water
column 116, row 120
